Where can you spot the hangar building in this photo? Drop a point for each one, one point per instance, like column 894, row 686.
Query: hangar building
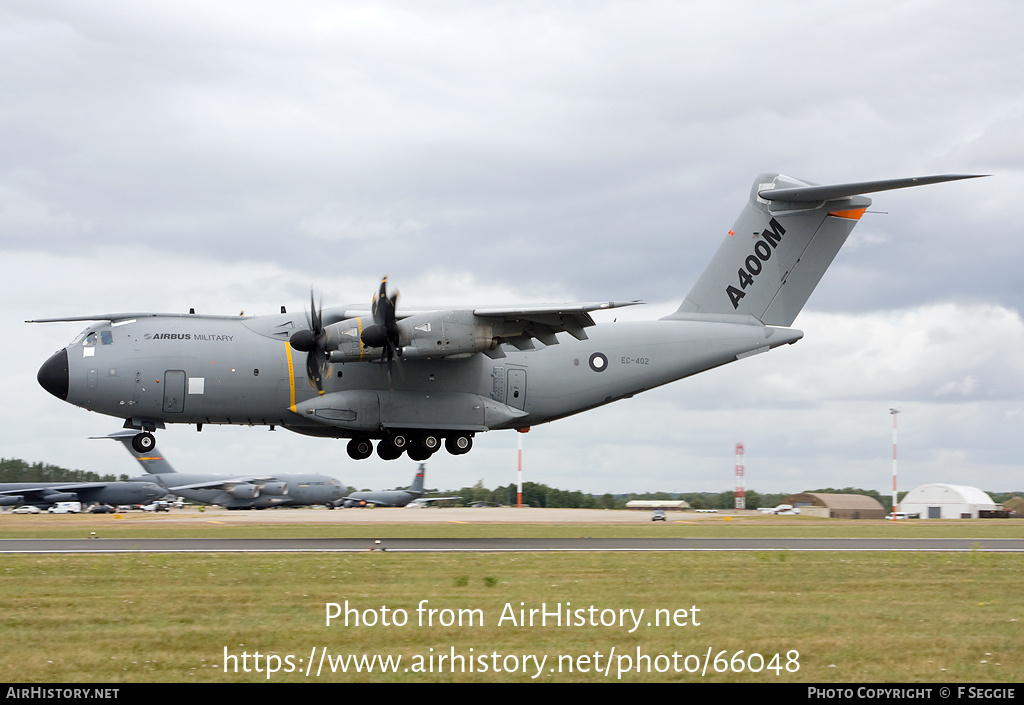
column 675, row 504
column 940, row 501
column 837, row 506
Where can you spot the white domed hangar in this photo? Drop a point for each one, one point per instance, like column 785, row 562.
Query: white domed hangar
column 941, row 501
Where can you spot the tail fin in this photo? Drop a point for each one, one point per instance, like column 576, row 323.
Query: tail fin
column 781, row 245
column 152, row 463
column 417, row 483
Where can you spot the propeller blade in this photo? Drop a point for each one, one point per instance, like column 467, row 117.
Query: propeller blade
column 384, row 331
column 383, row 306
column 312, row 342
column 316, row 365
column 316, row 321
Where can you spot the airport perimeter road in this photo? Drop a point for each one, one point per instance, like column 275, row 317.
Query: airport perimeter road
column 498, row 544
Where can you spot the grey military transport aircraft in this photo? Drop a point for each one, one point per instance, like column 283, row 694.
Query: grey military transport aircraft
column 412, row 380
column 392, row 498
column 234, row 491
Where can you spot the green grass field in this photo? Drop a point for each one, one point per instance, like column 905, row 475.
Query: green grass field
column 789, row 616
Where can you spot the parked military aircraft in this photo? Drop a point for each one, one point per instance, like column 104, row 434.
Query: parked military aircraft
column 44, row 494
column 392, row 498
column 411, row 379
column 780, row 509
column 234, row 491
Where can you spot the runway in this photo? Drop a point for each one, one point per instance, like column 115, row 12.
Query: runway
column 375, row 531
column 484, row 545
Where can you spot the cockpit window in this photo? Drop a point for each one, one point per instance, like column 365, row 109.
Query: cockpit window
column 103, row 337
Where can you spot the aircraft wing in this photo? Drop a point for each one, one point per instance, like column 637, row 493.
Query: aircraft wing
column 567, row 315
column 221, row 483
column 40, row 493
column 424, row 500
column 70, row 487
column 542, row 321
column 132, row 316
column 518, row 326
column 365, row 500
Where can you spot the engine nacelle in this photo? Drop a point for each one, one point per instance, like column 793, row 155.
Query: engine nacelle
column 274, row 488
column 445, row 333
column 55, row 497
column 11, row 500
column 345, row 342
column 428, row 335
column 244, row 491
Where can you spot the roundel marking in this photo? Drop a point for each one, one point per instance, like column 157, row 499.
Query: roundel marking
column 598, row 362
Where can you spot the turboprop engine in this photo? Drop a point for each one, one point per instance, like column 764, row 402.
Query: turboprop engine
column 436, row 334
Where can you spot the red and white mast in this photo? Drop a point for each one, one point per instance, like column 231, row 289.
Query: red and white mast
column 741, row 486
column 894, row 413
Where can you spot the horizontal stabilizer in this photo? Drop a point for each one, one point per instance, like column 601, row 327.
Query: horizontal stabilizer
column 815, row 194
column 780, row 246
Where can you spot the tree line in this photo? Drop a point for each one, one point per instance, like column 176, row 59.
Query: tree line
column 15, row 470
column 540, row 495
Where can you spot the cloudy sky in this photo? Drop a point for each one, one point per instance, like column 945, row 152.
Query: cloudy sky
column 225, row 156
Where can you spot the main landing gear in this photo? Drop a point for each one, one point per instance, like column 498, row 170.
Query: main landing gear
column 419, row 447
column 144, row 442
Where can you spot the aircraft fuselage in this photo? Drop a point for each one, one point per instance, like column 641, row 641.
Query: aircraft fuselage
column 299, row 490
column 222, row 370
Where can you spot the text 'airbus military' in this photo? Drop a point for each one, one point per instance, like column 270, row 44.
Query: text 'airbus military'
column 414, row 380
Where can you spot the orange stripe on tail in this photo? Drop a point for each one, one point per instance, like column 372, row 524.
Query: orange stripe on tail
column 854, row 214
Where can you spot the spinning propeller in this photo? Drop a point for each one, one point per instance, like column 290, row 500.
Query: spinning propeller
column 384, row 331
column 316, row 340
column 313, row 343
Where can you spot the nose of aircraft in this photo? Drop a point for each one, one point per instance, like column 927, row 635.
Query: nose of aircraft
column 154, row 491
column 53, row 375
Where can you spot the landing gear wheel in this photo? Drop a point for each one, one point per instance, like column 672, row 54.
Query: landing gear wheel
column 360, row 448
column 392, row 447
column 423, row 447
column 458, row 445
column 143, row 442
column 386, row 452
